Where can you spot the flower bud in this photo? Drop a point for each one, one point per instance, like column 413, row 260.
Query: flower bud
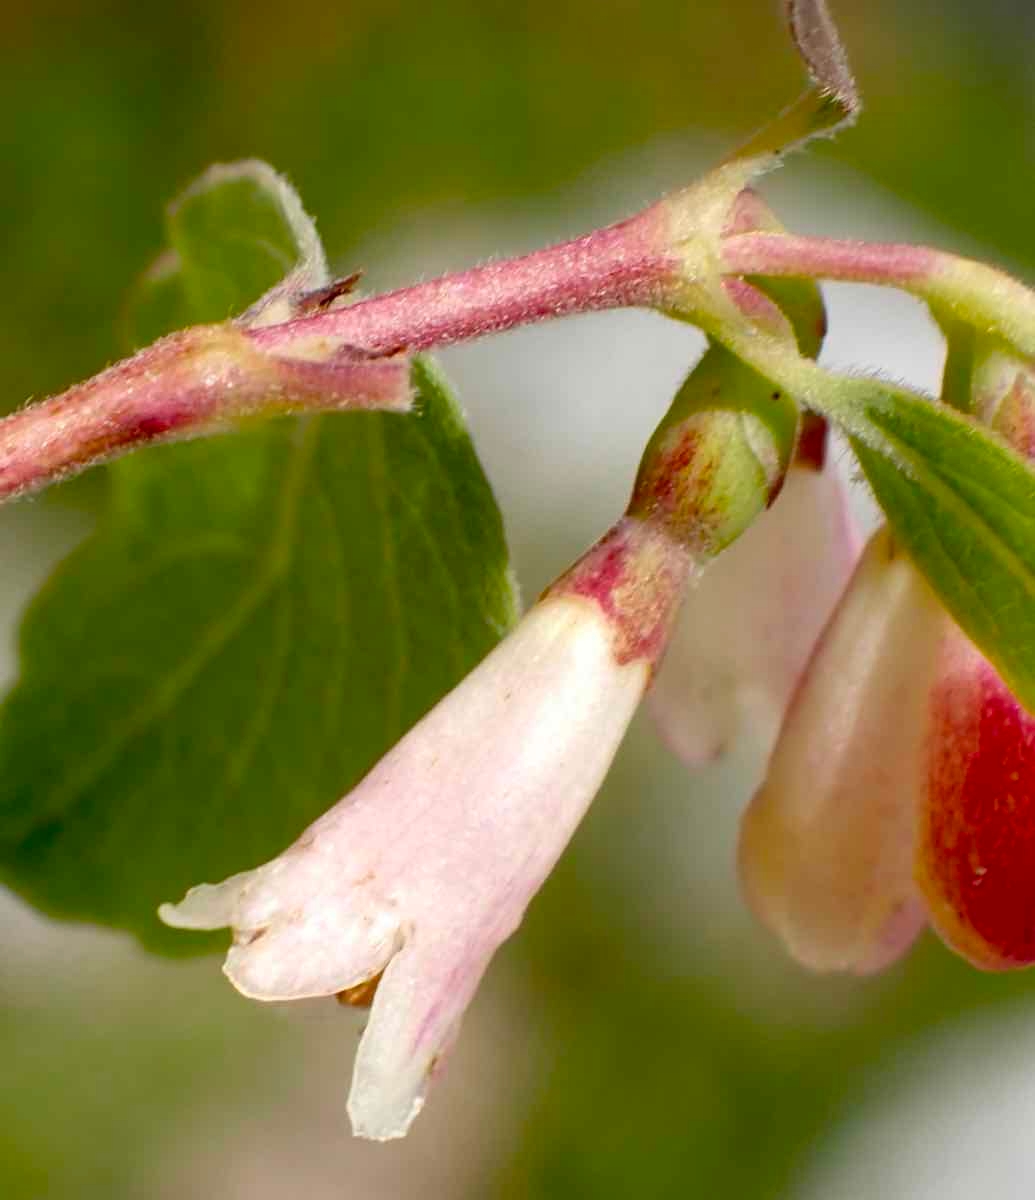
column 826, row 848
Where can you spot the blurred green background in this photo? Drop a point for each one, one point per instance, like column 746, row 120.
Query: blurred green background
column 640, row 1036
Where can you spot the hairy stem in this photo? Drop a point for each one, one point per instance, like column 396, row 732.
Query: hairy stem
column 958, row 288
column 622, row 265
column 198, row 381
column 202, row 380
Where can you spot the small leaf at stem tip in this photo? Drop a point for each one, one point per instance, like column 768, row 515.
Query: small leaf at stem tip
column 815, row 34
column 236, row 226
column 238, row 237
column 234, row 233
column 831, row 103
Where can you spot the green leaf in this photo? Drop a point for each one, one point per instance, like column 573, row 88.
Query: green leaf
column 963, row 504
column 255, row 621
column 236, row 233
column 157, row 304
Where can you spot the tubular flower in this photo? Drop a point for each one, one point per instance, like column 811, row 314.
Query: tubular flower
column 403, row 891
column 770, row 594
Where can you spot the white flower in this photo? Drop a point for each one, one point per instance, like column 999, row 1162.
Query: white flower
column 421, row 872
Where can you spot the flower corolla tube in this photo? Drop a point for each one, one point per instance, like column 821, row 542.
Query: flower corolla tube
column 404, row 890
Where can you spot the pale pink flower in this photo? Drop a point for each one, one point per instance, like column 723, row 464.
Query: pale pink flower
column 426, row 867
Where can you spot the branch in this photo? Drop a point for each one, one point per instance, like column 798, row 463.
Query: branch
column 201, row 380
column 204, row 379
column 959, row 288
column 622, row 265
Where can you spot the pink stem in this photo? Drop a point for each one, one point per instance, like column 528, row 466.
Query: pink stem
column 198, row 381
column 201, row 379
column 623, row 265
column 829, row 258
column 954, row 287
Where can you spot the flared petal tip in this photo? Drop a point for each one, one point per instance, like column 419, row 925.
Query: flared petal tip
column 383, row 1118
column 413, row 1024
column 393, row 1066
column 207, row 906
column 272, row 967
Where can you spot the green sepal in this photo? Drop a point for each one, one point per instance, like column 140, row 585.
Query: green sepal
column 719, row 455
